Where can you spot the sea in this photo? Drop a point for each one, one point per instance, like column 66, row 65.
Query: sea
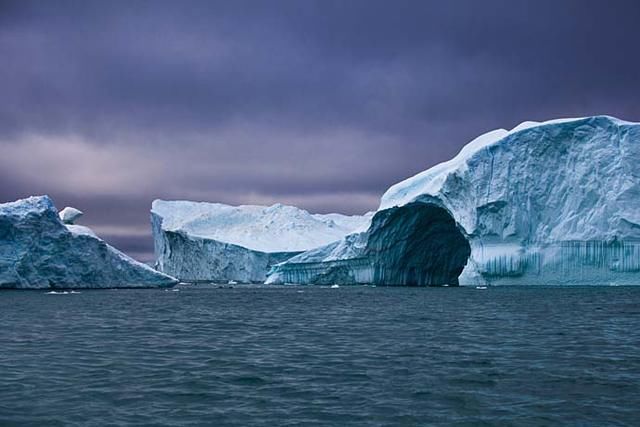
column 221, row 355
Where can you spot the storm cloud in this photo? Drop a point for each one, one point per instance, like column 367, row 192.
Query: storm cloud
column 322, row 104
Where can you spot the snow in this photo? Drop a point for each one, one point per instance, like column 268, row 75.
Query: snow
column 69, row 215
column 550, row 202
column 199, row 241
column 81, row 230
column 431, row 181
column 39, row 251
column 277, row 228
column 577, row 165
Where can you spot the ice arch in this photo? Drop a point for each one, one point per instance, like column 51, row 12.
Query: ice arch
column 418, row 244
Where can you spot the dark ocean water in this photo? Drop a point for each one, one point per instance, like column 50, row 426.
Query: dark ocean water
column 318, row 356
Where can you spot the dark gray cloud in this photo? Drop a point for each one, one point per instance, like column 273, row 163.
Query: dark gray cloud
column 323, row 104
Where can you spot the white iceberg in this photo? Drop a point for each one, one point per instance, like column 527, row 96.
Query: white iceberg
column 198, row 241
column 545, row 203
column 38, row 251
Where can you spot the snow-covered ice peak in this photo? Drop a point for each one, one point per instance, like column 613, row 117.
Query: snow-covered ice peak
column 431, row 181
column 275, row 228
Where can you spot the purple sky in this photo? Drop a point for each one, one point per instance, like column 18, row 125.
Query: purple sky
column 106, row 105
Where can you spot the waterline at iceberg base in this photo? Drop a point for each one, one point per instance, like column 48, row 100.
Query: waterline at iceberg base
column 571, row 262
column 592, row 262
column 545, row 203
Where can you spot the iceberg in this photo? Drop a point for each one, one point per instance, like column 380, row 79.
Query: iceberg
column 39, row 251
column 556, row 202
column 213, row 242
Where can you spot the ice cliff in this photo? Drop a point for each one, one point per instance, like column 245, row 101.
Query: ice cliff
column 197, row 241
column 37, row 250
column 545, row 203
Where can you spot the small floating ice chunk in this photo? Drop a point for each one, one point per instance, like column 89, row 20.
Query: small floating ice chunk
column 69, row 215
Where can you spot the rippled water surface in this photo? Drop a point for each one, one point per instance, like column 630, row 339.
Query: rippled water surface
column 319, row 356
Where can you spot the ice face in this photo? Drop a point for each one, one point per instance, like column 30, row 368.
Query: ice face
column 38, row 251
column 552, row 202
column 198, row 241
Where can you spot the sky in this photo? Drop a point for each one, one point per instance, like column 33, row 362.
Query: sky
column 106, row 106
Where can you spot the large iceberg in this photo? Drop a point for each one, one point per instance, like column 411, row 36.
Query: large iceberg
column 38, row 250
column 545, row 203
column 199, row 241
